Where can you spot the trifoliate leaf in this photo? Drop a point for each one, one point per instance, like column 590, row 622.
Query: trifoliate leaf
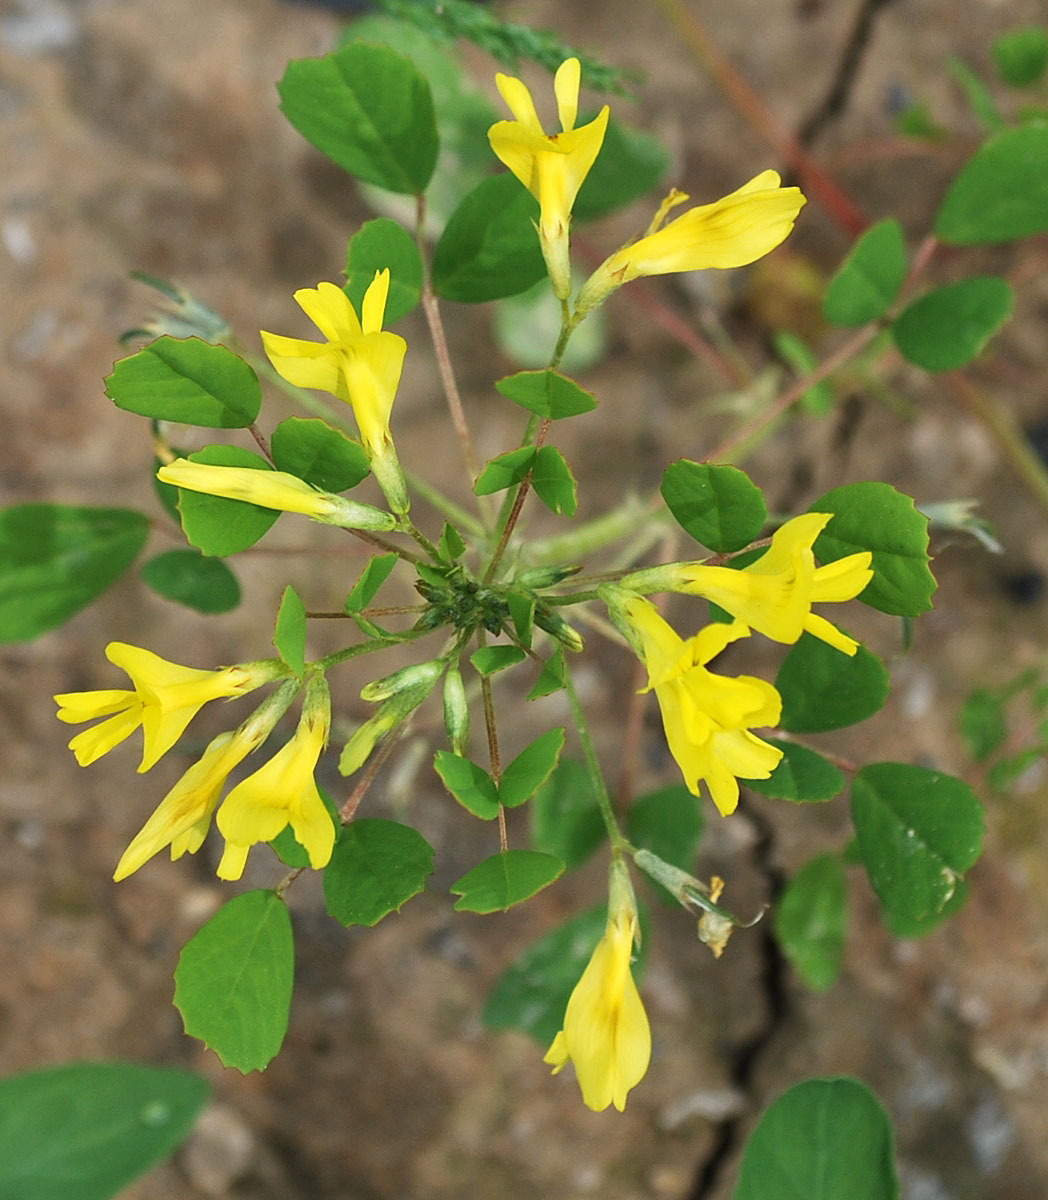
column 505, row 879
column 947, row 328
column 718, row 506
column 375, row 868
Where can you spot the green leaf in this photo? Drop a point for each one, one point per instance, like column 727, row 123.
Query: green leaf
column 718, row 506
column 371, row 579
column 289, row 636
column 185, row 576
column 870, row 278
column 823, row 689
column 904, row 925
column 522, row 611
column 489, row 659
column 947, row 328
column 469, row 783
column 799, row 355
column 451, row 544
column 811, row 921
column 188, row 381
column 504, row 471
column 530, row 769
column 983, row 723
column 824, row 1139
column 55, row 559
column 533, row 992
column 565, row 818
column 801, row 776
column 489, row 248
column 976, row 93
column 547, row 394
column 217, row 526
column 1002, row 192
column 669, row 823
column 916, row 121
column 369, row 110
column 84, row 1132
column 1022, row 55
column 505, row 879
column 379, row 244
column 234, row 979
column 375, row 868
column 553, row 482
column 551, row 678
column 325, row 457
column 918, row 830
column 874, row 516
column 629, row 165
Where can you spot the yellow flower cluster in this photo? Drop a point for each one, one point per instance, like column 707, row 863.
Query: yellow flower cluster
column 165, row 699
column 708, row 718
column 732, row 232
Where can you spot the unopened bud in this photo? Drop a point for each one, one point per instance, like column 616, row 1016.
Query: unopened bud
column 538, row 578
column 418, row 675
column 555, row 625
column 456, row 711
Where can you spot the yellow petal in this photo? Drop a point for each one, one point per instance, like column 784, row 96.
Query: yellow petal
column 233, row 862
column 519, row 102
column 304, row 364
column 91, row 744
column 566, row 87
column 76, row 707
column 826, row 631
column 843, row 579
column 330, row 310
column 373, row 310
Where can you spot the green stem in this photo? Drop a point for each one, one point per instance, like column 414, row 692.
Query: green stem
column 341, row 656
column 600, row 788
column 409, row 527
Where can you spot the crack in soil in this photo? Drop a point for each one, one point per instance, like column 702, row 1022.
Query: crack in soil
column 772, row 982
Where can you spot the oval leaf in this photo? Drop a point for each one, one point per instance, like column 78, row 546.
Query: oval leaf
column 84, row 1132
column 719, row 506
column 869, row 279
column 875, row 517
column 469, row 783
column 811, row 921
column 234, row 978
column 189, row 381
column 379, row 244
column 530, row 769
column 918, row 831
column 547, row 394
column 801, row 776
column 489, row 248
column 369, row 110
column 217, row 526
column 947, row 328
column 823, row 689
column 185, row 576
column 505, row 879
column 375, row 868
column 824, row 1139
column 325, row 457
column 553, row 482
column 289, row 636
column 55, row 559
column 1002, row 193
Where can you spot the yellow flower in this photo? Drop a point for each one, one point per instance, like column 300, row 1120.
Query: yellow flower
column 183, row 817
column 551, row 166
column 283, row 793
column 274, row 489
column 774, row 595
column 165, row 699
column 359, row 363
column 734, row 231
column 606, row 1032
column 707, row 717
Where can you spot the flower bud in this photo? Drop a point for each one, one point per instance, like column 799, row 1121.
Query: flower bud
column 419, row 674
column 538, row 578
column 555, row 625
column 456, row 711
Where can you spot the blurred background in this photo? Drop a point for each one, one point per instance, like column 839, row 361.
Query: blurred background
column 144, row 136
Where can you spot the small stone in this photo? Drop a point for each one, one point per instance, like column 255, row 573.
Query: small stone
column 220, row 1151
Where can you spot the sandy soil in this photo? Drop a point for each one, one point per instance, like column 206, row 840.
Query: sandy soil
column 140, row 135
